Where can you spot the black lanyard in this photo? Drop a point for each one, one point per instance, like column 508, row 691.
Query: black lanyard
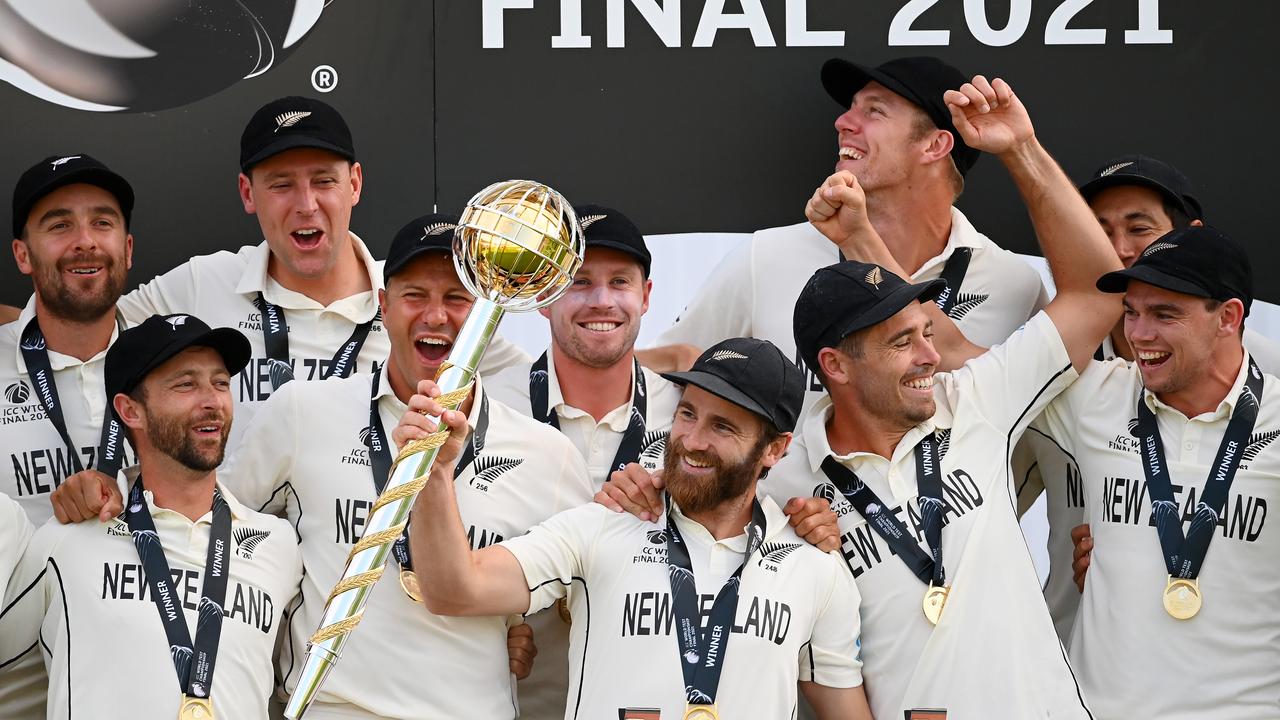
column 956, row 267
column 380, row 458
column 193, row 662
column 110, row 448
column 702, row 652
column 1184, row 554
column 275, row 337
column 926, row 566
column 632, row 440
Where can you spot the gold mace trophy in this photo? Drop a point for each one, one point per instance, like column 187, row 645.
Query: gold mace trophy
column 517, row 247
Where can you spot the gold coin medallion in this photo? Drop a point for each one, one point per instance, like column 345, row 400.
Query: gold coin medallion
column 194, row 708
column 935, row 598
column 409, row 583
column 1182, row 598
column 701, row 712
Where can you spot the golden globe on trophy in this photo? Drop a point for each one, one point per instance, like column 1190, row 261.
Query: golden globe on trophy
column 517, row 247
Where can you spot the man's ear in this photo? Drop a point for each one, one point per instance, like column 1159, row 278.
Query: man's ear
column 246, row 194
column 776, row 450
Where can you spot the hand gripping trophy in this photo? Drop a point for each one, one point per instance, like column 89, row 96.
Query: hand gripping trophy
column 516, row 248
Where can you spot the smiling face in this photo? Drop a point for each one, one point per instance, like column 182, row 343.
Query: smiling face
column 77, row 251
column 1174, row 336
column 716, row 451
column 423, row 308
column 183, row 409
column 303, row 200
column 597, row 321
column 880, row 138
column 890, row 373
column 1133, row 217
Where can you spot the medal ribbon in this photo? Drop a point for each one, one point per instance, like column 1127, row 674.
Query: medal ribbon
column 956, row 267
column 110, row 456
column 381, row 459
column 1184, row 554
column 702, row 653
column 275, row 337
column 632, row 439
column 193, row 662
column 926, row 566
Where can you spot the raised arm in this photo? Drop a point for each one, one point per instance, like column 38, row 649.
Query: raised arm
column 455, row 579
column 991, row 118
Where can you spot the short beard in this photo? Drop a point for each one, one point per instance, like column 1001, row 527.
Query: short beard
column 696, row 495
column 169, row 436
column 594, row 357
column 61, row 302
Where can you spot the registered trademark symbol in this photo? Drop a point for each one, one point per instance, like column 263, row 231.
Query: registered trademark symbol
column 324, row 78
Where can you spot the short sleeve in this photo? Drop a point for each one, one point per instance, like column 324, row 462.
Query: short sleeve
column 1012, row 382
column 833, row 655
column 721, row 309
column 172, row 292
column 553, row 553
column 258, row 467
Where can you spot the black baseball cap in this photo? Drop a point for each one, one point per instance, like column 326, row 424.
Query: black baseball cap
column 1147, row 172
column 607, row 228
column 752, row 374
column 58, row 171
column 294, row 122
column 1200, row 261
column 429, row 233
column 844, row 298
column 922, row 80
column 142, row 348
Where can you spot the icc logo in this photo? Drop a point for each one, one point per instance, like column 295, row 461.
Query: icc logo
column 17, row 393
column 146, row 55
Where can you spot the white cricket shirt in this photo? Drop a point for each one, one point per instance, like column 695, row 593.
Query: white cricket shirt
column 83, row 590
column 994, row 653
column 1133, row 658
column 542, row 693
column 221, row 288
column 753, row 292
column 33, row 458
column 597, row 442
column 797, row 614
column 1039, row 464
column 305, row 453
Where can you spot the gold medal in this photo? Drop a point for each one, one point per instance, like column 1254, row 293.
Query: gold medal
column 409, row 583
column 701, row 712
column 194, row 708
column 1182, row 598
column 935, row 598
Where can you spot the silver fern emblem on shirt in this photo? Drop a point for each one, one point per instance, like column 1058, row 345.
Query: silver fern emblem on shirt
column 489, row 469
column 1258, row 442
column 1114, row 168
column 944, row 442
column 965, row 303
column 776, row 552
column 590, row 220
column 654, row 446
column 290, row 119
column 247, row 540
column 727, row 355
column 874, row 277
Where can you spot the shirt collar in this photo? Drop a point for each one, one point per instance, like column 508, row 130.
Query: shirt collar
column 388, row 401
column 963, row 234
column 130, row 474
column 814, row 432
column 57, row 361
column 256, row 280
column 775, row 522
column 617, row 420
column 1225, row 407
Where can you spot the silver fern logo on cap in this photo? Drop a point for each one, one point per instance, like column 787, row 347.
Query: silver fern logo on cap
column 1157, row 247
column 1114, row 168
column 727, row 355
column 290, row 119
column 64, row 160
column 874, row 277
column 436, row 229
column 590, row 220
